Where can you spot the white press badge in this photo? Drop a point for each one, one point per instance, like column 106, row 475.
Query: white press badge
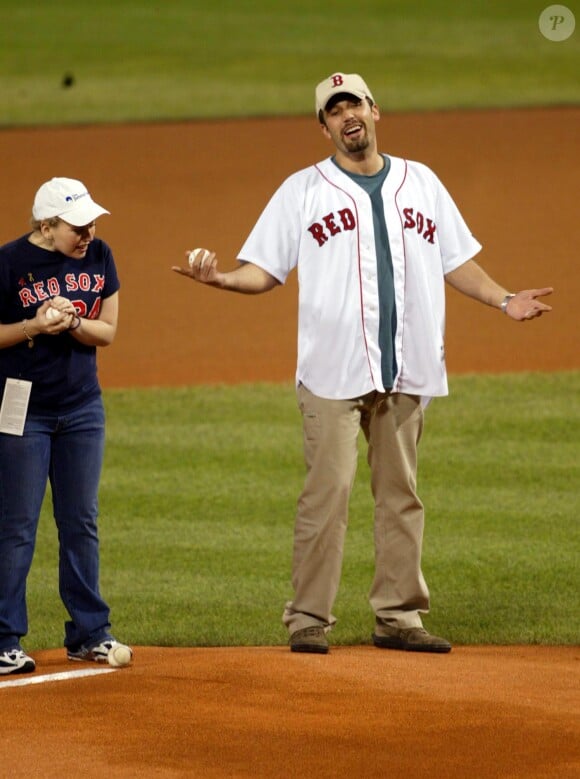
column 14, row 406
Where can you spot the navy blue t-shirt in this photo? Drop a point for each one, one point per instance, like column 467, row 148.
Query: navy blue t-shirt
column 63, row 371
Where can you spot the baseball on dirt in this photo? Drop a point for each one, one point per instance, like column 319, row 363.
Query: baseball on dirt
column 204, row 257
column 119, row 655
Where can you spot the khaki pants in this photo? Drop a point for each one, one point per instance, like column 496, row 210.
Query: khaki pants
column 392, row 425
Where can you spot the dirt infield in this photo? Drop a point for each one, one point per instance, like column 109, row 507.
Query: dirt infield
column 486, row 713
column 262, row 712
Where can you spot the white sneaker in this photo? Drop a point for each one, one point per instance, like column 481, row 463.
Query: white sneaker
column 16, row 661
column 98, row 653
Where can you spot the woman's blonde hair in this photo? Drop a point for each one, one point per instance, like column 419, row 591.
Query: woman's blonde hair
column 52, row 222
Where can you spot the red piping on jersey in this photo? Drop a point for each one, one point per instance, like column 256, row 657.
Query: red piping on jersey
column 332, row 184
column 398, row 381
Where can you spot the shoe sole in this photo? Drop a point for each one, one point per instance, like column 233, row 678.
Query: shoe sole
column 27, row 668
column 383, row 642
column 313, row 649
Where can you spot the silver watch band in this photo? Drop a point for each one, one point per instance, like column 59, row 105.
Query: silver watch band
column 506, row 300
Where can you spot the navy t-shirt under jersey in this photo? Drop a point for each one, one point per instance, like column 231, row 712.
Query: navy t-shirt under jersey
column 63, row 371
column 373, row 185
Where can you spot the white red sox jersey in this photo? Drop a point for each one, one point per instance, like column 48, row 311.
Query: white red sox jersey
column 321, row 221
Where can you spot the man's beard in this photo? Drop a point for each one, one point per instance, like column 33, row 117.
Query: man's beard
column 360, row 144
column 356, row 144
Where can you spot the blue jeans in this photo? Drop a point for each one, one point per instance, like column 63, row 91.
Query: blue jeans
column 67, row 450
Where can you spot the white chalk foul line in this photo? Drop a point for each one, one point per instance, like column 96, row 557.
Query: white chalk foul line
column 55, row 677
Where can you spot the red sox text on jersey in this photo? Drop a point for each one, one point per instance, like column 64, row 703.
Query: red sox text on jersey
column 344, row 219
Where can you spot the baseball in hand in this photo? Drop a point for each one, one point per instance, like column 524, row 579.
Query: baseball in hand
column 53, row 313
column 204, row 256
column 119, row 655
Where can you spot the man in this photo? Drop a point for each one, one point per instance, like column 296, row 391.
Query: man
column 374, row 239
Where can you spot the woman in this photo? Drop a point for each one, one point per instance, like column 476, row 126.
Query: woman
column 58, row 302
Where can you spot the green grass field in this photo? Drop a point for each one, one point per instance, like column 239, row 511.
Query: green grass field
column 198, row 500
column 142, row 60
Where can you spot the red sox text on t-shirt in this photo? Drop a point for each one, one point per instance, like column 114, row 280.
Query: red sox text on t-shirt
column 38, row 291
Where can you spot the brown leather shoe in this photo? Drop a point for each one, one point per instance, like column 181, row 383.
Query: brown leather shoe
column 311, row 639
column 409, row 640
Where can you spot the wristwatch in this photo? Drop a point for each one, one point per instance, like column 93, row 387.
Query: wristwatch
column 506, row 300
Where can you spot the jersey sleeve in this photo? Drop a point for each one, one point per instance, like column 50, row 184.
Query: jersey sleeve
column 456, row 242
column 112, row 283
column 273, row 243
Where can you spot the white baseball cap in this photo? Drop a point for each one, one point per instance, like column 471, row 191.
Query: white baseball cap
column 338, row 84
column 68, row 199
